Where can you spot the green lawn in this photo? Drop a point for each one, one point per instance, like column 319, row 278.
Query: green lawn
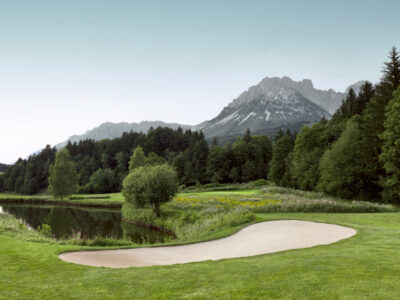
column 113, row 199
column 366, row 266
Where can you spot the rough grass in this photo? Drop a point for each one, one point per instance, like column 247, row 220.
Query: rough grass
column 291, row 200
column 189, row 223
column 17, row 229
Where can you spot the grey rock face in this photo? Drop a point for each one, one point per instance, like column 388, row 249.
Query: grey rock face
column 356, row 87
column 272, row 104
column 328, row 100
column 274, row 108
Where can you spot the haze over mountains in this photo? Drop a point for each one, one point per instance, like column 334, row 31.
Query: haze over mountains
column 110, row 130
column 272, row 104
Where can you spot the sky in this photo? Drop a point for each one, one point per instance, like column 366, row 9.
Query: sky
column 68, row 66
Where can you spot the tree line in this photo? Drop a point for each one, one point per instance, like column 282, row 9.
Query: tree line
column 354, row 155
column 101, row 166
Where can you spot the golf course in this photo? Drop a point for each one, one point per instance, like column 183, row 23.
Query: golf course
column 363, row 262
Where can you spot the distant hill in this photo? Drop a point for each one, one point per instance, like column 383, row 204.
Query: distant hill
column 110, row 130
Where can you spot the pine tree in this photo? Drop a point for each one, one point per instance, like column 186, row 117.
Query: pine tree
column 247, row 137
column 390, row 156
column 138, row 159
column 349, row 104
column 372, row 126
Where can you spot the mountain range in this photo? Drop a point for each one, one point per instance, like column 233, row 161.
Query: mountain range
column 273, row 104
column 110, row 130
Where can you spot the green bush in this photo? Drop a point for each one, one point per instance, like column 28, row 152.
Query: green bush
column 150, row 186
column 45, row 230
column 259, row 182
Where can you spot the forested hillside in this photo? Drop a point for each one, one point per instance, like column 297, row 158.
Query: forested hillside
column 102, row 165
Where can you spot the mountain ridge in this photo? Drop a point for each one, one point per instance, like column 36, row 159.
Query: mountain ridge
column 110, row 130
column 272, row 104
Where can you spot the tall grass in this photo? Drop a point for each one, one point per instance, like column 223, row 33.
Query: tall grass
column 189, row 223
column 16, row 228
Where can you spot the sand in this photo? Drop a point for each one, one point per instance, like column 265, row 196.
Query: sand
column 257, row 239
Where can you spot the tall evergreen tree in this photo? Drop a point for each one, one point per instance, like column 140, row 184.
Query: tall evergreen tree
column 138, row 159
column 390, row 156
column 372, row 125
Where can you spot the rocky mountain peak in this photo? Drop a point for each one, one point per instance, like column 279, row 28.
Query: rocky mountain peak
column 278, row 86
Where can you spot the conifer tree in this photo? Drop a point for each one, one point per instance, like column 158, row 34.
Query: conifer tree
column 138, row 159
column 372, row 126
column 390, row 156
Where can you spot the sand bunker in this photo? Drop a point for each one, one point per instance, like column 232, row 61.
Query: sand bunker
column 260, row 238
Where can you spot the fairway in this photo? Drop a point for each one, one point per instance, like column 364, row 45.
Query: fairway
column 366, row 266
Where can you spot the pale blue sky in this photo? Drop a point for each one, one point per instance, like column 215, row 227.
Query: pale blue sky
column 67, row 66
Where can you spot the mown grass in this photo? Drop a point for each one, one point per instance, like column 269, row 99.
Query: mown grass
column 366, row 266
column 91, row 199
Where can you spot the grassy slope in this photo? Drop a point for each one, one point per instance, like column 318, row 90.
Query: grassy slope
column 366, row 266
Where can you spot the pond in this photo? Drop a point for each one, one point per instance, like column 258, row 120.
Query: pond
column 85, row 223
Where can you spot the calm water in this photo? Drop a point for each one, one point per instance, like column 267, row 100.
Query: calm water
column 87, row 223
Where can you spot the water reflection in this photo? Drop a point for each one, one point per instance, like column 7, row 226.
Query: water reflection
column 67, row 222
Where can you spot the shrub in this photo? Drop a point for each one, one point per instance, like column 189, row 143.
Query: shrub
column 260, row 182
column 150, row 186
column 44, row 230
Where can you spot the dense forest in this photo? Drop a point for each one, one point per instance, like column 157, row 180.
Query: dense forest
column 101, row 166
column 354, row 155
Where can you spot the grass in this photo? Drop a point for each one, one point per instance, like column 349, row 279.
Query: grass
column 190, row 223
column 114, row 199
column 366, row 266
column 227, row 192
column 191, row 216
column 277, row 199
